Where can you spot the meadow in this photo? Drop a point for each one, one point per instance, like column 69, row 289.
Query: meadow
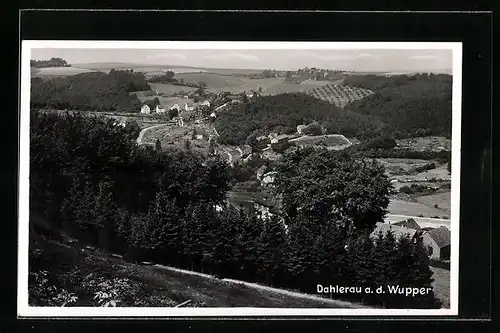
column 60, row 71
column 441, row 285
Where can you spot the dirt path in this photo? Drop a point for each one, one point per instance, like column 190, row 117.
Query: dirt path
column 342, row 304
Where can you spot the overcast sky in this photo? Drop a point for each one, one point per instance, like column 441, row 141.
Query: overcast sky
column 356, row 60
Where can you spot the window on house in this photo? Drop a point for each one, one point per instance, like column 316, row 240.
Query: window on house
column 430, row 250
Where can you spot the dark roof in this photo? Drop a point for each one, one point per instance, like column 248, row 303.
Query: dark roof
column 396, row 230
column 441, row 236
column 409, row 223
column 281, row 137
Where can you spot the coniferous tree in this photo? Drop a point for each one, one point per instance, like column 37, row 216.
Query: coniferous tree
column 271, row 251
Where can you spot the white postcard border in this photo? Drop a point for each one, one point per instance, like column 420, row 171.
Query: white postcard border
column 26, row 311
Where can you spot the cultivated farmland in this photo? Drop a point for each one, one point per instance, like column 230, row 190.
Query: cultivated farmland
column 339, row 94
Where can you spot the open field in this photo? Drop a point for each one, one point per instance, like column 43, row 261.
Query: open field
column 400, row 168
column 284, row 88
column 167, row 88
column 159, row 287
column 173, row 136
column 401, row 207
column 319, row 82
column 430, row 143
column 60, row 71
column 441, row 285
column 331, row 141
column 164, row 68
column 443, row 200
column 215, row 81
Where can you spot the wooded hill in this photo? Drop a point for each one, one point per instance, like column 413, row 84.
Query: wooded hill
column 282, row 113
column 90, row 91
column 416, row 105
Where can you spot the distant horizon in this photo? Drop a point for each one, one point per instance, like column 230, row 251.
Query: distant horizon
column 356, row 60
column 129, row 64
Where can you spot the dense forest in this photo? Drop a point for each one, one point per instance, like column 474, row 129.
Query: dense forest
column 53, row 62
column 282, row 113
column 89, row 180
column 416, row 105
column 89, row 91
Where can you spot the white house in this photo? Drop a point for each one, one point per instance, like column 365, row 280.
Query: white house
column 159, row 109
column 189, row 106
column 145, row 109
column 175, row 106
column 205, row 103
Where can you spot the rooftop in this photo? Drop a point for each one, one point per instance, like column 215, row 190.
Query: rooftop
column 441, row 236
column 396, row 230
column 408, row 223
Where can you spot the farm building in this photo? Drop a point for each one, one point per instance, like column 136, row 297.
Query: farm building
column 189, row 106
column 160, row 109
column 268, row 178
column 280, row 139
column 300, row 128
column 205, row 103
column 262, row 141
column 272, row 136
column 438, row 243
column 145, row 109
column 408, row 223
column 397, row 231
column 234, row 98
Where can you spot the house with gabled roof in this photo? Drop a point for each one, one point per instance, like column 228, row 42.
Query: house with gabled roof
column 408, row 223
column 160, row 109
column 145, row 109
column 189, row 106
column 438, row 243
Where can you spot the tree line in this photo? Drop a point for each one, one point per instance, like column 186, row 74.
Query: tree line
column 411, row 105
column 89, row 91
column 53, row 62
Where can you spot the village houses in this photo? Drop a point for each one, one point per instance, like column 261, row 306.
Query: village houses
column 160, row 109
column 145, row 109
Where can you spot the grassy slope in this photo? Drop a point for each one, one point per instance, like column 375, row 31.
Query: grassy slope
column 159, row 287
column 441, row 285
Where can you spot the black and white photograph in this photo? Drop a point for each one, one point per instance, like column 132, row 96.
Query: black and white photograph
column 171, row 178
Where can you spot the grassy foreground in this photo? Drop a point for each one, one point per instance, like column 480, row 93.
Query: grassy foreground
column 69, row 275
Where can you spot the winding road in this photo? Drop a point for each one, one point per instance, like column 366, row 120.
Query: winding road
column 423, row 222
column 144, row 130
